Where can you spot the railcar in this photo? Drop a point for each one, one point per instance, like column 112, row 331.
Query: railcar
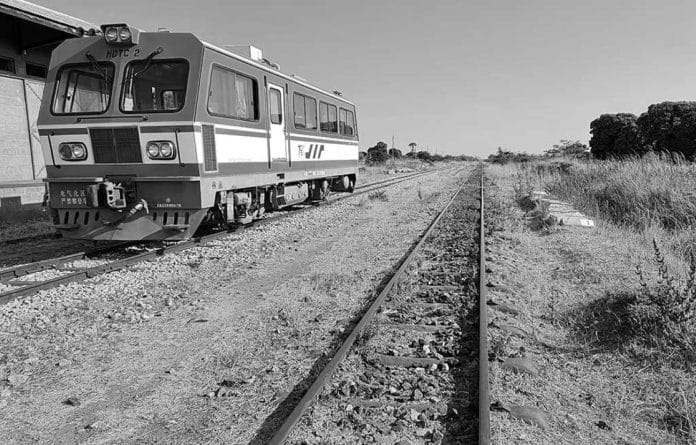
column 149, row 135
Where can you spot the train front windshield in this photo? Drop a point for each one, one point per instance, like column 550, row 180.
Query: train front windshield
column 149, row 86
column 154, row 86
column 84, row 88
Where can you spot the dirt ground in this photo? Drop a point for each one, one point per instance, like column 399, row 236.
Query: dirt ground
column 586, row 374
column 209, row 345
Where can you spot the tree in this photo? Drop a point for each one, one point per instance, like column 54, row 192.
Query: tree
column 377, row 154
column 413, row 146
column 616, row 135
column 670, row 127
column 362, row 155
column 395, row 153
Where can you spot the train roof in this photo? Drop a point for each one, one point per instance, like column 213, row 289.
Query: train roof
column 273, row 71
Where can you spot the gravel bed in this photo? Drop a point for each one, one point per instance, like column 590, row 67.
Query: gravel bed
column 204, row 345
column 86, row 264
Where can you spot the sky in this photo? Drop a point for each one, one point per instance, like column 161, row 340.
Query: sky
column 454, row 76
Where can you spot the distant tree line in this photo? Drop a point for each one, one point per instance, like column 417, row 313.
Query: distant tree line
column 566, row 148
column 666, row 127
column 380, row 154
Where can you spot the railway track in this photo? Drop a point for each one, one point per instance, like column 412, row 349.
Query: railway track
column 415, row 364
column 27, row 279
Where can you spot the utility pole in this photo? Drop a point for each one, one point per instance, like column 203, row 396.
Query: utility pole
column 393, row 147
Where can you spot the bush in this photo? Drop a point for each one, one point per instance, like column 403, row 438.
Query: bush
column 670, row 127
column 504, row 157
column 664, row 313
column 424, row 155
column 615, row 135
column 378, row 154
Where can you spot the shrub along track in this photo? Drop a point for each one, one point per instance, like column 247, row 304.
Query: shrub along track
column 27, row 279
column 409, row 368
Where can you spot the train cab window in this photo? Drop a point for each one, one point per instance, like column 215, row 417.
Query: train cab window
column 154, row 86
column 305, row 111
column 328, row 121
column 83, row 88
column 346, row 122
column 232, row 95
column 276, row 106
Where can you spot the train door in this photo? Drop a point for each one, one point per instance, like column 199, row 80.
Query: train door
column 278, row 153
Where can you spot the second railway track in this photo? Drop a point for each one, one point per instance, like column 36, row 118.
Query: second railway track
column 414, row 367
column 27, row 279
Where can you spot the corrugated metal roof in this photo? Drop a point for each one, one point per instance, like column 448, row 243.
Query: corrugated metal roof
column 46, row 17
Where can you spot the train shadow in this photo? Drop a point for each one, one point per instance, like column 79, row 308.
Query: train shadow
column 41, row 249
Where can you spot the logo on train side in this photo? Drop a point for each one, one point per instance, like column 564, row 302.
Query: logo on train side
column 314, row 152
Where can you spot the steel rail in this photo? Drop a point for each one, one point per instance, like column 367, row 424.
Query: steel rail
column 484, row 433
column 286, row 428
column 84, row 274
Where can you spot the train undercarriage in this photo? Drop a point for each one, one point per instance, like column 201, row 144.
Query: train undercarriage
column 116, row 211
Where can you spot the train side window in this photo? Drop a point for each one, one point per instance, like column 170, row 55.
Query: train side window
column 342, row 121
column 346, row 122
column 311, row 110
column 276, row 106
column 232, row 95
column 298, row 105
column 350, row 123
column 305, row 109
column 327, row 118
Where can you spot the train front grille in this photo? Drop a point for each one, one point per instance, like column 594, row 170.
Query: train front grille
column 115, row 145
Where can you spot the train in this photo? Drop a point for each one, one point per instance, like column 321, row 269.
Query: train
column 151, row 135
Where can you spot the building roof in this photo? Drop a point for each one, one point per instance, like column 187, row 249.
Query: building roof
column 46, row 17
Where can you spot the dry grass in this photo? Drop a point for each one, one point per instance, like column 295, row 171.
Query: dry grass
column 650, row 194
column 579, row 292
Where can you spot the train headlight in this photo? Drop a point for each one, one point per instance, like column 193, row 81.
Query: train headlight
column 111, row 34
column 72, row 151
column 120, row 34
column 160, row 150
column 124, row 35
column 153, row 150
column 167, row 150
